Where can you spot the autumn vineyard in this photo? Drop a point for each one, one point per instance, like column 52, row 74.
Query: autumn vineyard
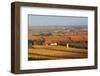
column 57, row 42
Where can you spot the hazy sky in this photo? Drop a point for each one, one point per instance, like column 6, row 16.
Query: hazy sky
column 40, row 20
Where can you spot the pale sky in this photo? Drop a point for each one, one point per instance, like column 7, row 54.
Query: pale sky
column 43, row 20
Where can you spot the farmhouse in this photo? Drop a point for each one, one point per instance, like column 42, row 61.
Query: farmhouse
column 53, row 44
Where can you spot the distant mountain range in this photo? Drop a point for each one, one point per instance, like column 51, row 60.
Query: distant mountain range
column 57, row 28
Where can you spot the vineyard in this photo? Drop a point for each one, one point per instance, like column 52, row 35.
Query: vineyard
column 40, row 52
column 57, row 45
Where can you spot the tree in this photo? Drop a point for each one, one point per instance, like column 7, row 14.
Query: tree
column 41, row 40
column 30, row 43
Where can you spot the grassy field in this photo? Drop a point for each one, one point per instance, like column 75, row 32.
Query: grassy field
column 42, row 52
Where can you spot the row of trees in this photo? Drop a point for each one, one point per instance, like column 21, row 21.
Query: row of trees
column 74, row 44
column 80, row 44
